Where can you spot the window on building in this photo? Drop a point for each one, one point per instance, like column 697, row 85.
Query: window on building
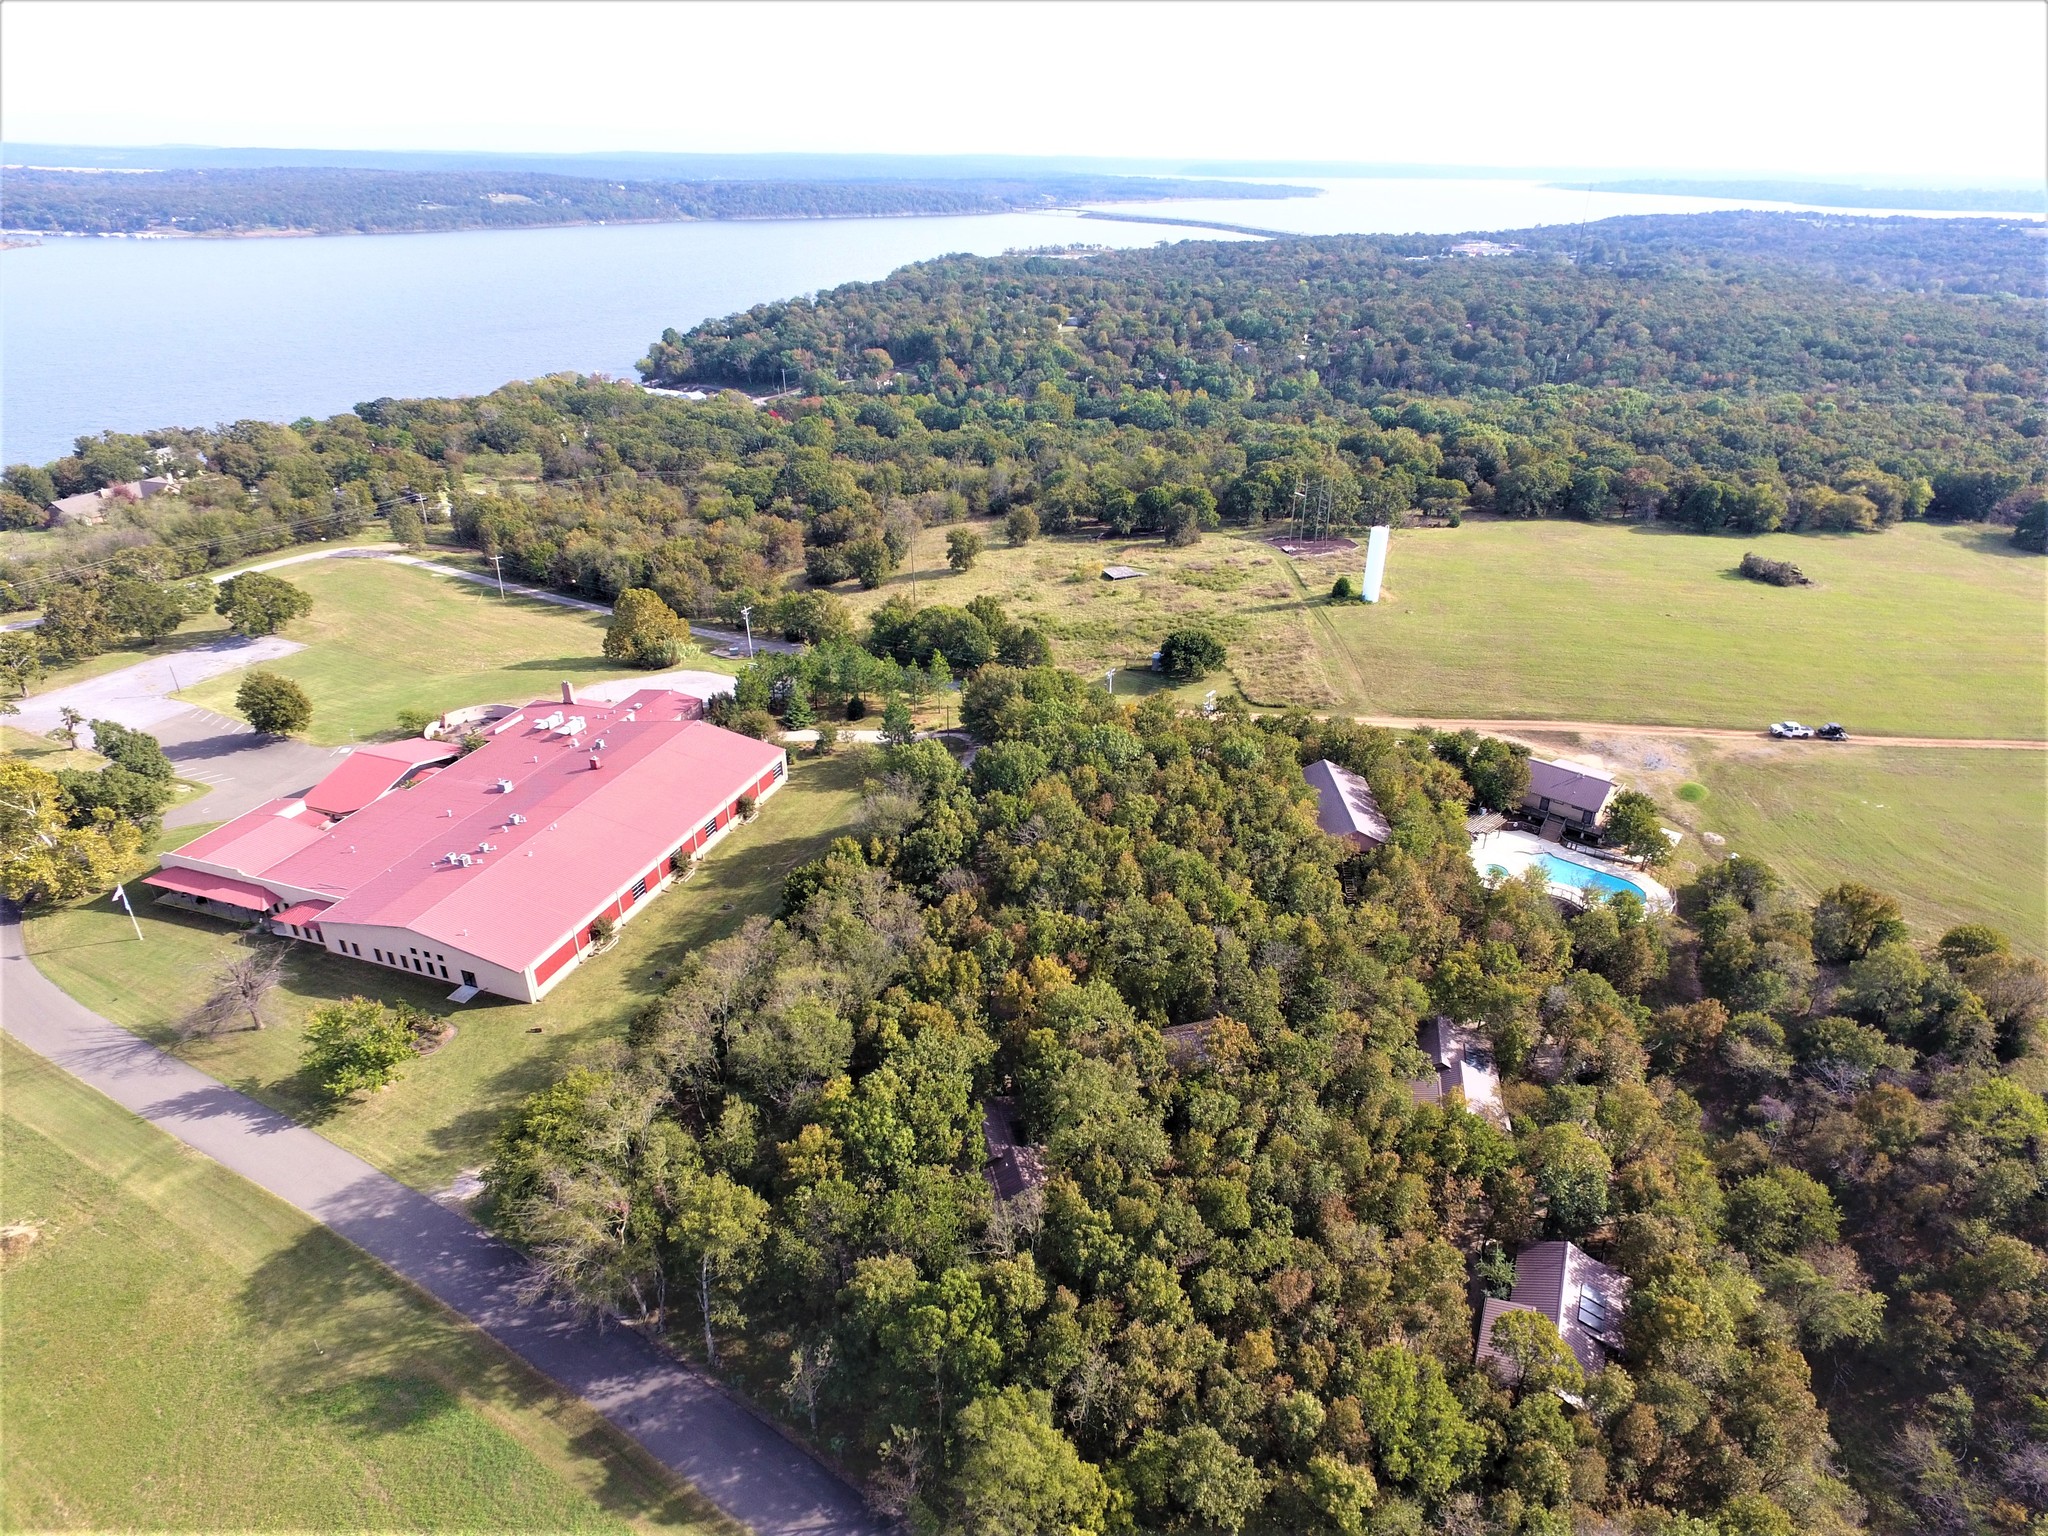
column 377, row 953
column 710, row 827
column 775, row 773
column 639, row 887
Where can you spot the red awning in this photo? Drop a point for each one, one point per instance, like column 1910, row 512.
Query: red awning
column 232, row 893
column 302, row 914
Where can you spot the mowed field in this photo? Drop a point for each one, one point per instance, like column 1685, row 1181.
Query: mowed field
column 1920, row 630
column 186, row 1353
column 1956, row 836
column 439, row 1118
column 384, row 637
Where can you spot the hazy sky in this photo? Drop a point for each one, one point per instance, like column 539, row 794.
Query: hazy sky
column 1951, row 90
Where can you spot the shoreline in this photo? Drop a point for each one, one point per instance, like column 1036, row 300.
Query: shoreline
column 1089, row 211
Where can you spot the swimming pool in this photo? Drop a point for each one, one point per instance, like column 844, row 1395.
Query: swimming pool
column 1564, row 872
column 1507, row 853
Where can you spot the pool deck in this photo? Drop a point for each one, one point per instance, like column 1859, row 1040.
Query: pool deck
column 1516, row 851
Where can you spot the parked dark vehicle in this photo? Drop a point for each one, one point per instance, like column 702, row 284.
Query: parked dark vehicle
column 1832, row 732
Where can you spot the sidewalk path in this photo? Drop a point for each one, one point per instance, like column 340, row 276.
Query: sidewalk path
column 744, row 1466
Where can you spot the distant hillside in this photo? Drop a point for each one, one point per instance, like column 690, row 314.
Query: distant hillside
column 1828, row 194
column 330, row 201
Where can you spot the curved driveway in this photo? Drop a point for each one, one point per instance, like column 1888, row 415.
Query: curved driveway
column 737, row 1460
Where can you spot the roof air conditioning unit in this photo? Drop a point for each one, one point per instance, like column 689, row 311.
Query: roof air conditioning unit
column 598, row 745
column 515, row 820
column 596, row 761
column 504, row 786
column 486, row 847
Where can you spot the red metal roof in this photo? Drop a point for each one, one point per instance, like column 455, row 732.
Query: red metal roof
column 194, row 882
column 302, row 914
column 369, row 771
column 585, row 834
column 257, row 839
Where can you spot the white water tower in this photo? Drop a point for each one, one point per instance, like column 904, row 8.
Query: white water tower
column 1375, row 563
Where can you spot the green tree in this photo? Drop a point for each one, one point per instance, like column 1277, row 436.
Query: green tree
column 1195, row 1477
column 897, row 726
column 869, row 562
column 1851, row 920
column 68, row 722
column 407, row 528
column 273, row 704
column 1188, row 655
column 1021, row 524
column 1572, row 1170
column 645, row 632
column 75, row 624
column 1343, row 590
column 1019, row 1475
column 21, row 660
column 1421, row 1438
column 963, row 548
column 42, row 857
column 1537, row 1359
column 143, row 610
column 718, row 1228
column 137, row 751
column 258, row 603
column 1633, row 822
column 353, row 1046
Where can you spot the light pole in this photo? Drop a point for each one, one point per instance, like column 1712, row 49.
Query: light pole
column 1110, row 679
column 498, row 562
column 747, row 618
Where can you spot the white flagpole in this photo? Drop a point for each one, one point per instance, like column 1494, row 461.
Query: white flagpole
column 121, row 895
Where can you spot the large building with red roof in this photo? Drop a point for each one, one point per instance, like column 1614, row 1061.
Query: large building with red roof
column 486, row 870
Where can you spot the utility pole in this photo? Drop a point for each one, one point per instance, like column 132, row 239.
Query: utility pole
column 499, row 562
column 747, row 618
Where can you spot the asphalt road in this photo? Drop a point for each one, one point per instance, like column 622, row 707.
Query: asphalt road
column 742, row 1464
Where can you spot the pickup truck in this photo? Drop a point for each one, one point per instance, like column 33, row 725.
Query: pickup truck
column 1791, row 730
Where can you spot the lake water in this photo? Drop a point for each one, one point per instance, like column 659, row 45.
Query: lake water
column 134, row 334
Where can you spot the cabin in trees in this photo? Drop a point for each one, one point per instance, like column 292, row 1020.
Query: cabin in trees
column 488, row 871
column 1463, row 1071
column 1345, row 806
column 1583, row 1298
column 1566, row 796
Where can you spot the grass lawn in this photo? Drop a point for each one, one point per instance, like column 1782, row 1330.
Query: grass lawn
column 196, row 631
column 186, row 1353
column 385, row 637
column 1957, row 836
column 440, row 1117
column 1241, row 588
column 1921, row 630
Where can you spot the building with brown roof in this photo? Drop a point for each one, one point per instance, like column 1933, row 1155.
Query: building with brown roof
column 1584, row 1299
column 1464, row 1070
column 1570, row 794
column 1345, row 806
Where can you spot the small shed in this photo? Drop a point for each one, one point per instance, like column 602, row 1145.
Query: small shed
column 1120, row 572
column 1345, row 806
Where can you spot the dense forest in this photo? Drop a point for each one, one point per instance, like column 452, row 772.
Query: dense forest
column 1834, row 194
column 347, row 201
column 1239, row 1291
column 1725, row 373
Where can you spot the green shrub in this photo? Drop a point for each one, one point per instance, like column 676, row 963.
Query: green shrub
column 354, row 1046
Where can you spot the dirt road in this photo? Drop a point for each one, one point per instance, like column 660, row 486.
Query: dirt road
column 1697, row 732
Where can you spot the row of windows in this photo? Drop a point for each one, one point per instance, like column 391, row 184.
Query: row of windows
column 412, row 962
